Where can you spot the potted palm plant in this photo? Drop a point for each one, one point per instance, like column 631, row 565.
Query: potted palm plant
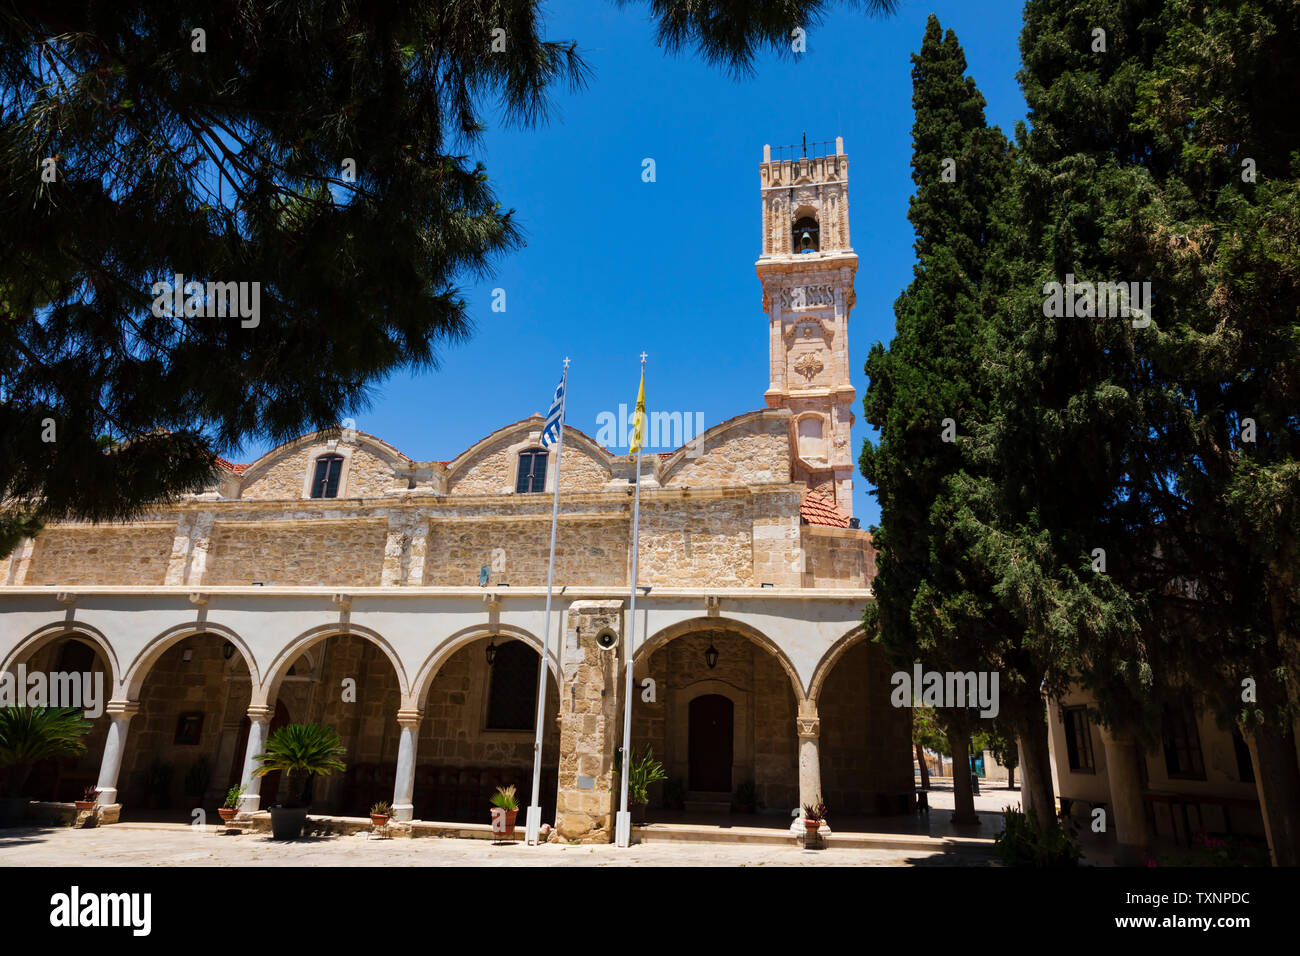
column 29, row 735
column 814, row 815
column 504, row 799
column 380, row 813
column 87, row 801
column 645, row 771
column 301, row 751
column 230, row 808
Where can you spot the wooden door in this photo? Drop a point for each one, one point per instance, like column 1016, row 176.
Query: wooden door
column 711, row 747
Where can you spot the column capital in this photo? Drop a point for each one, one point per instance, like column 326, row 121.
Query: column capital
column 260, row 712
column 809, row 727
column 409, row 718
column 122, row 709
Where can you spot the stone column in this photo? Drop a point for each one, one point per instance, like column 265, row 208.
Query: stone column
column 404, row 785
column 810, row 767
column 1128, row 815
column 120, row 713
column 590, row 723
column 259, row 723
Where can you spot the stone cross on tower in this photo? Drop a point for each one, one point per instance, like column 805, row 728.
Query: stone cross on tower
column 806, row 270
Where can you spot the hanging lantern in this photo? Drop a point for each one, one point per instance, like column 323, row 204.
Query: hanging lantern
column 491, row 652
column 711, row 656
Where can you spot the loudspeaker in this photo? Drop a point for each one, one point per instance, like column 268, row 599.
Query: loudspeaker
column 606, row 640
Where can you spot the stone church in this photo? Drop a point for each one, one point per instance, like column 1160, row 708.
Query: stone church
column 335, row 580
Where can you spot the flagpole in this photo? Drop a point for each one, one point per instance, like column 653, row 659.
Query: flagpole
column 623, row 823
column 534, row 824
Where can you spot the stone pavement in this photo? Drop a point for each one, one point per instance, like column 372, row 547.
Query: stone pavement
column 180, row 845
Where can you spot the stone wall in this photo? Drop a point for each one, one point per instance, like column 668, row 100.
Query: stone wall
column 325, row 552
column 837, row 557
column 587, row 551
column 866, row 756
column 206, row 684
column 753, row 451
column 366, row 474
column 764, row 740
column 696, row 543
column 103, row 554
column 492, row 469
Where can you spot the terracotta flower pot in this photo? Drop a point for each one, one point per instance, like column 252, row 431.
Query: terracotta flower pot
column 812, row 826
column 379, row 819
column 509, row 832
column 84, row 804
column 227, row 813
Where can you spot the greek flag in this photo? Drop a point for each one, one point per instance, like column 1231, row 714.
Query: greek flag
column 554, row 418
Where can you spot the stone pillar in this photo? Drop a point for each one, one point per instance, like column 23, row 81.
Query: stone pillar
column 120, row 713
column 200, row 543
column 590, row 723
column 259, row 723
column 1127, row 813
column 810, row 766
column 404, row 785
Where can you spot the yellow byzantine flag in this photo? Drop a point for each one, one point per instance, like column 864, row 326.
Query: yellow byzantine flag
column 638, row 418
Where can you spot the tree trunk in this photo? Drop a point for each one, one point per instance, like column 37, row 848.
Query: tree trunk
column 1036, row 790
column 925, row 770
column 963, row 798
column 1277, row 781
column 1011, row 778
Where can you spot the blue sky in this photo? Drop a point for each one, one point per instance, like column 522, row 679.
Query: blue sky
column 614, row 265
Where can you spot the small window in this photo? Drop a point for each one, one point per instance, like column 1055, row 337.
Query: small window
column 512, row 688
column 1182, row 745
column 1078, row 740
column 325, row 482
column 532, row 472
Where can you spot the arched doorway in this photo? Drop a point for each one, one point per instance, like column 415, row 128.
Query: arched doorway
column 756, row 762
column 66, row 778
column 712, row 720
column 180, row 741
column 478, row 732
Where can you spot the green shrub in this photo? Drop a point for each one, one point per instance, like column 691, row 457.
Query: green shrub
column 1022, row 843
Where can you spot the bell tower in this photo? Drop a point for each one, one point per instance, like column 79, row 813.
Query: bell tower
column 806, row 270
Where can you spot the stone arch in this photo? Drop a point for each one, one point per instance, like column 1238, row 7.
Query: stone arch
column 662, row 637
column 829, row 659
column 267, row 690
column 139, row 668
column 443, row 652
column 38, row 638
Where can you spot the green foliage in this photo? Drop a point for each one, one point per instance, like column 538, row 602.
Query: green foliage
column 1023, row 842
column 746, row 795
column 382, row 809
column 505, row 798
column 304, row 751
column 645, row 771
column 227, row 166
column 233, row 796
column 29, row 735
column 815, row 811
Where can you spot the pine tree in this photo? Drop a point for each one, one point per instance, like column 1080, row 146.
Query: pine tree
column 924, row 393
column 317, row 150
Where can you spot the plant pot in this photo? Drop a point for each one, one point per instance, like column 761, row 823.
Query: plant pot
column 13, row 810
column 287, row 822
column 379, row 819
column 227, row 813
column 812, row 826
column 509, row 832
column 638, row 814
column 84, row 804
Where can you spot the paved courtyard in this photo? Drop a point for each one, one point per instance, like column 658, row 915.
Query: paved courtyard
column 178, row 845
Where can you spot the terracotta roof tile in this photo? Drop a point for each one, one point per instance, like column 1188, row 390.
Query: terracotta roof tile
column 817, row 509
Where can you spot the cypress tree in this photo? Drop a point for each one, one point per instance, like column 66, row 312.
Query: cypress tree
column 925, row 394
